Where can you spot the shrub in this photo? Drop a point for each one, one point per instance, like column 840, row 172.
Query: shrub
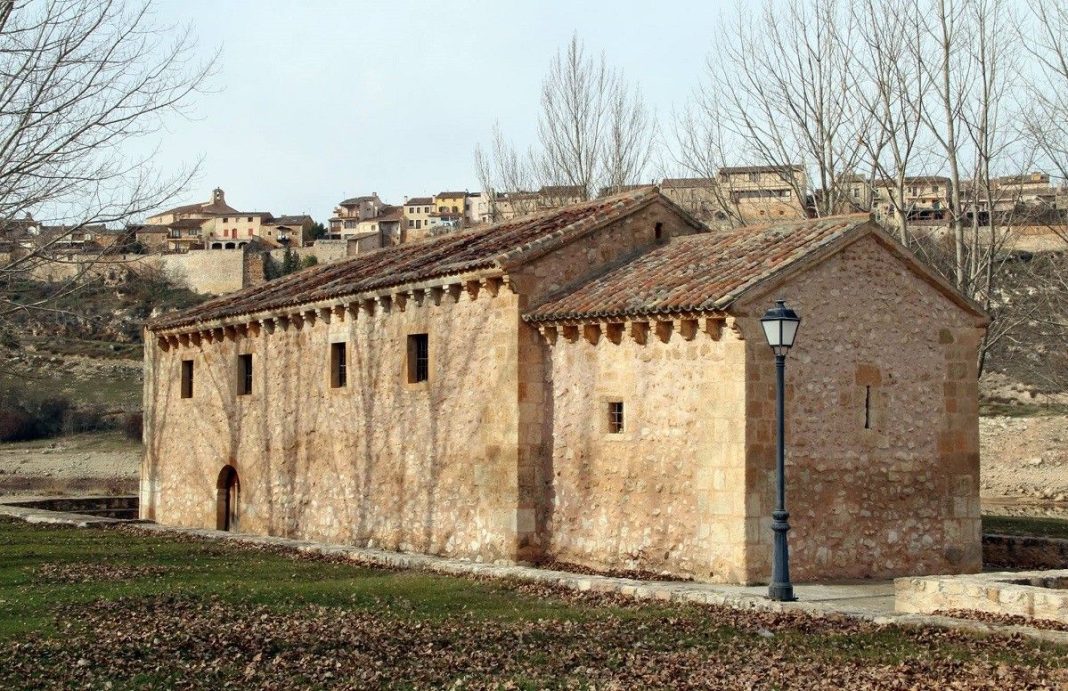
column 133, row 425
column 91, row 419
column 24, row 417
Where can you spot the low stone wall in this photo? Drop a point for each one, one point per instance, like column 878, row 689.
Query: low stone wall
column 214, row 272
column 1030, row 594
column 1013, row 551
column 124, row 507
column 324, row 251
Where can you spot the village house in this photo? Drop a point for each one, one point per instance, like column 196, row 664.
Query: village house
column 420, row 215
column 505, row 206
column 214, row 224
column 350, row 212
column 1028, row 197
column 476, row 210
column 743, row 195
column 590, row 385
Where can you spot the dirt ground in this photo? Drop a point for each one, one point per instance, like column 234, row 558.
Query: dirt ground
column 1024, row 465
column 81, row 464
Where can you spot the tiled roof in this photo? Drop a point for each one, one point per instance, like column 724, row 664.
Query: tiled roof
column 731, row 170
column 695, row 273
column 357, row 200
column 299, row 219
column 562, row 191
column 452, row 194
column 187, row 223
column 389, row 214
column 607, row 191
column 419, row 201
column 669, row 183
column 500, row 246
column 203, row 207
column 913, row 180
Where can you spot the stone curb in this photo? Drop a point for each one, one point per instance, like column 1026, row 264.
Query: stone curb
column 680, row 592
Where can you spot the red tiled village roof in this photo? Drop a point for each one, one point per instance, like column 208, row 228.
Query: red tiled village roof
column 496, row 247
column 696, row 273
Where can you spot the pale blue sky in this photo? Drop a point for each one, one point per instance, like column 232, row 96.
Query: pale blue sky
column 317, row 100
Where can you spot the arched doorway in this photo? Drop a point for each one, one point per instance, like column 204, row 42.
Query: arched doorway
column 227, row 505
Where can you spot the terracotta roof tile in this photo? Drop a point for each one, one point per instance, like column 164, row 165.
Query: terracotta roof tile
column 499, row 246
column 695, row 273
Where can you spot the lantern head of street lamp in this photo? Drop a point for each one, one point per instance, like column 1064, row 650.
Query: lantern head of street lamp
column 780, row 327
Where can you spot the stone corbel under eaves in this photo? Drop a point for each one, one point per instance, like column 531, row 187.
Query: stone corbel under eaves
column 688, row 326
column 472, row 284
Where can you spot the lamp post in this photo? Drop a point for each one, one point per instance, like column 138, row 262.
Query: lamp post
column 780, row 327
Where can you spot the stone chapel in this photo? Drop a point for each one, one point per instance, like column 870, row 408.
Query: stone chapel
column 590, row 384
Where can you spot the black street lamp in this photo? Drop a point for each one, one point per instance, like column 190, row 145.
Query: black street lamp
column 780, row 327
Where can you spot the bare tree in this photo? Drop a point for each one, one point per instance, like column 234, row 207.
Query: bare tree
column 891, row 88
column 83, row 85
column 1047, row 121
column 576, row 97
column 503, row 169
column 950, row 74
column 594, row 132
column 701, row 146
column 629, row 142
column 782, row 80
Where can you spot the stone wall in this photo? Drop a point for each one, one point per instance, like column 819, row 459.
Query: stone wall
column 210, row 271
column 667, row 493
column 536, row 280
column 506, row 453
column 1041, row 595
column 882, row 424
column 204, row 271
column 460, row 466
column 427, row 467
column 1015, row 551
column 324, row 251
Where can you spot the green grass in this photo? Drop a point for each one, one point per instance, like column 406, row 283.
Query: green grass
column 105, row 442
column 245, row 576
column 304, row 613
column 112, row 390
column 1025, row 525
column 990, row 409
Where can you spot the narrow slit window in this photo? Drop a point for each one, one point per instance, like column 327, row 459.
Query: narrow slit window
column 658, row 232
column 615, row 417
column 244, row 374
column 338, row 366
column 418, row 358
column 867, row 407
column 187, row 378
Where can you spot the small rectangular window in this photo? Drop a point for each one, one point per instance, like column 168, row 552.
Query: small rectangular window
column 244, row 375
column 615, row 417
column 338, row 366
column 187, row 378
column 418, row 358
